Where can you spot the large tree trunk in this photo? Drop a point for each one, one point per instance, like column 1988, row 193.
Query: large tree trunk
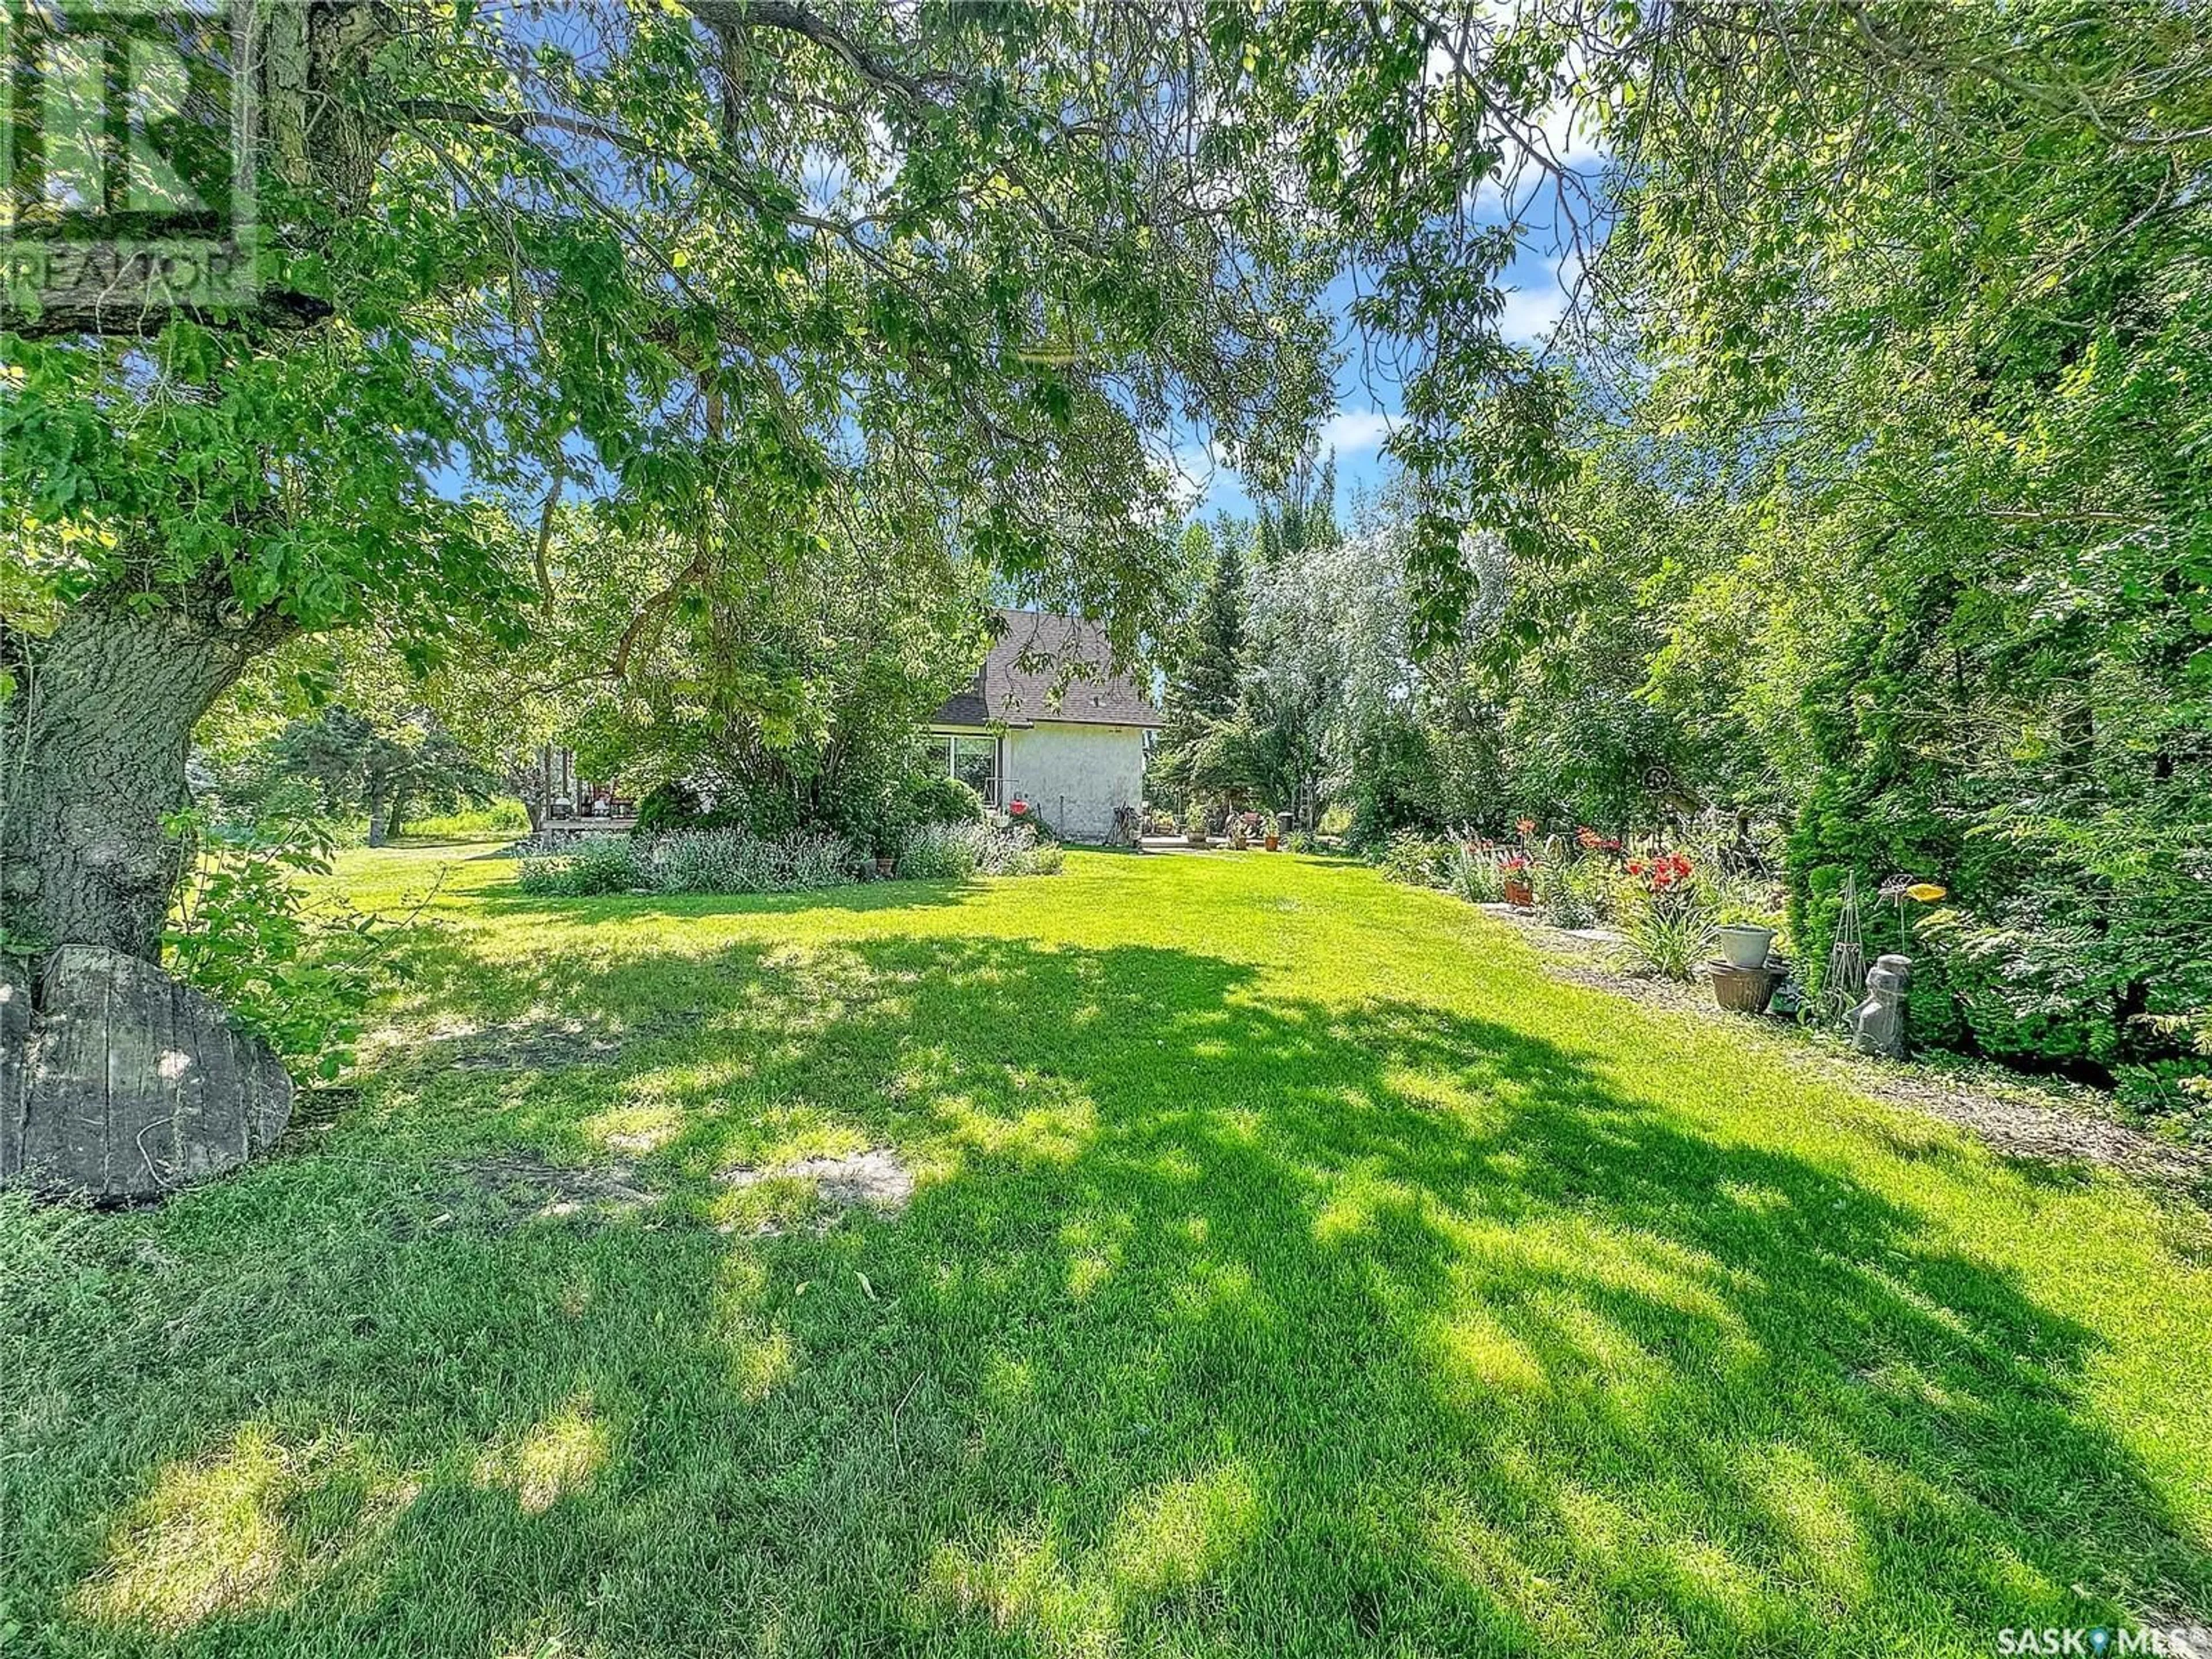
column 116, row 1081
column 91, row 762
column 536, row 785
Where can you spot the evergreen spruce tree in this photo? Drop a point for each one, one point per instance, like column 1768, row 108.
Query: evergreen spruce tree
column 1205, row 688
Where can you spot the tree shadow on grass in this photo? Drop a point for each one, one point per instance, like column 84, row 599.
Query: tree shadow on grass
column 1220, row 1322
column 558, row 913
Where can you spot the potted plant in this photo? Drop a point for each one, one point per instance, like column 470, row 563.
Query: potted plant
column 1520, row 892
column 1517, row 869
column 1274, row 838
column 1194, row 822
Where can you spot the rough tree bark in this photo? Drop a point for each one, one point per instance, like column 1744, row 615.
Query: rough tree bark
column 92, row 761
column 379, row 812
column 92, row 747
column 116, row 1081
column 120, row 1083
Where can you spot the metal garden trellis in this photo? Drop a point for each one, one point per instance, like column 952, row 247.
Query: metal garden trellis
column 1845, row 982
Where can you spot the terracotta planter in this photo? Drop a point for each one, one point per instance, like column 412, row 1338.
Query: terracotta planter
column 1274, row 840
column 1519, row 894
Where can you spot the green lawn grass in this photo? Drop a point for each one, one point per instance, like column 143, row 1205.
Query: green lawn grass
column 1295, row 1268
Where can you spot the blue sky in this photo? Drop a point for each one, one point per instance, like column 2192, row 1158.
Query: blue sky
column 1367, row 399
column 1535, row 285
column 1366, row 394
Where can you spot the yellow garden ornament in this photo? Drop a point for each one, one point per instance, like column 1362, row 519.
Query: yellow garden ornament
column 1926, row 891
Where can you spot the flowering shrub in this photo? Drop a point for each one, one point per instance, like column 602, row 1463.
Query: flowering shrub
column 1666, row 915
column 708, row 861
column 1667, row 901
column 954, row 851
column 1019, row 851
column 693, row 861
column 1417, row 860
column 940, row 852
column 1661, row 873
column 1472, row 873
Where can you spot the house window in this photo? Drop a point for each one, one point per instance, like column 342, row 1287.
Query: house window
column 972, row 759
column 976, row 763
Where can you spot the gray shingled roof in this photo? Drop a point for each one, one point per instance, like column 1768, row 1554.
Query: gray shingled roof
column 1004, row 690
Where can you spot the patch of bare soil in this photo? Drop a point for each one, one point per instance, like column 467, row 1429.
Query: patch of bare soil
column 316, row 1110
column 875, row 1179
column 2049, row 1123
column 498, row 1194
column 544, row 1045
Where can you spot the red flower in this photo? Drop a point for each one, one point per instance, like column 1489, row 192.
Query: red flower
column 1636, row 866
column 1589, row 838
column 1017, row 807
column 1526, row 826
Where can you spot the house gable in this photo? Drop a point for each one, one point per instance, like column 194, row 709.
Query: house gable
column 1006, row 693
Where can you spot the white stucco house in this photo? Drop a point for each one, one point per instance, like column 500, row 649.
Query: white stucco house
column 1075, row 755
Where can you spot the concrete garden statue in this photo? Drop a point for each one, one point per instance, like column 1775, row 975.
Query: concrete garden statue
column 1878, row 1024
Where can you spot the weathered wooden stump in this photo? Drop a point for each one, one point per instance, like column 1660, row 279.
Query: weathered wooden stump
column 118, row 1082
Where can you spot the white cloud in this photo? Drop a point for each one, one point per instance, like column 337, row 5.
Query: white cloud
column 1194, row 471
column 1531, row 313
column 1354, row 431
column 1538, row 299
column 1572, row 136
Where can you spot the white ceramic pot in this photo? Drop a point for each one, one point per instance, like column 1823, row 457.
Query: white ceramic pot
column 1743, row 945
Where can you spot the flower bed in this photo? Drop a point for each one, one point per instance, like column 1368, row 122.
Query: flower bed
column 736, row 861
